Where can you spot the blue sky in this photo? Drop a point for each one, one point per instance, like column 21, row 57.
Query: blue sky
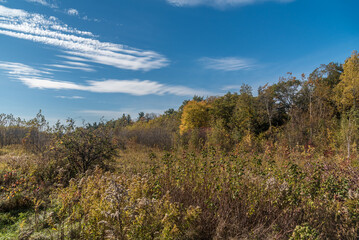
column 88, row 59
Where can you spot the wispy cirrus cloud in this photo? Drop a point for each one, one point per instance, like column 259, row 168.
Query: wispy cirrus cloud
column 73, row 58
column 20, row 24
column 70, row 97
column 73, row 65
column 44, row 3
column 35, row 78
column 18, row 70
column 86, row 69
column 227, row 63
column 220, row 3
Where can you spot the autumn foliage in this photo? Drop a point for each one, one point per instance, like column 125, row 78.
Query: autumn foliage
column 280, row 163
column 195, row 115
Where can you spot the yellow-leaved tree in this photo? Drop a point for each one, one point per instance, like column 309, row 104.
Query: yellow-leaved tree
column 347, row 97
column 347, row 91
column 195, row 115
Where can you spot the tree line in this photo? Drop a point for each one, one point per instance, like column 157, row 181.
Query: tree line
column 319, row 110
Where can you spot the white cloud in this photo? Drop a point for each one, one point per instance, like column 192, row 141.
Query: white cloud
column 35, row 78
column 220, row 3
column 73, row 12
column 227, row 64
column 74, row 65
column 75, row 43
column 70, row 97
column 72, row 58
column 77, row 63
column 19, row 69
column 71, row 67
column 44, row 3
column 11, row 13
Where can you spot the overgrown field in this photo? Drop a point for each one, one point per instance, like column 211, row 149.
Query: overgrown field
column 153, row 194
column 279, row 165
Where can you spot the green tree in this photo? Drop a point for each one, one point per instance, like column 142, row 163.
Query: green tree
column 285, row 92
column 222, row 108
column 141, row 115
column 245, row 115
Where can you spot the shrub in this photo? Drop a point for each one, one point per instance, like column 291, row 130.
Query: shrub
column 83, row 149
